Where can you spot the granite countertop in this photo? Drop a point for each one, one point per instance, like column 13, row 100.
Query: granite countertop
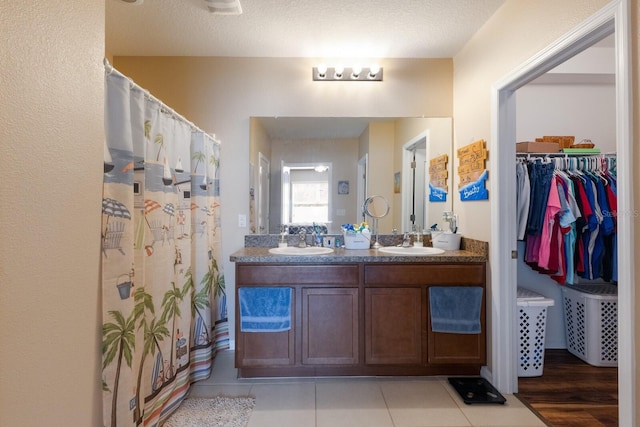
column 341, row 255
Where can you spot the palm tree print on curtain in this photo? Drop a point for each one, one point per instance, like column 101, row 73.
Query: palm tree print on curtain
column 164, row 305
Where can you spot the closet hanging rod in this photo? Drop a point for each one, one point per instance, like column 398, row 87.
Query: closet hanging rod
column 108, row 68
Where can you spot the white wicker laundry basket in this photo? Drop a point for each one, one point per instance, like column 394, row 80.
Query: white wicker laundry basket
column 591, row 322
column 532, row 322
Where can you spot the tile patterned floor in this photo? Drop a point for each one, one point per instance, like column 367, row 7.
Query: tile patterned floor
column 361, row 401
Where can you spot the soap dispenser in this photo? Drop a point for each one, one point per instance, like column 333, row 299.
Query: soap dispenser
column 417, row 237
column 284, row 229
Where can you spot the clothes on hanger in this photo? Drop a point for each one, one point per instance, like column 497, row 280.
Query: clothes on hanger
column 566, row 214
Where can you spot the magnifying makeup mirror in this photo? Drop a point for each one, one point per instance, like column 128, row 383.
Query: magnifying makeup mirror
column 376, row 207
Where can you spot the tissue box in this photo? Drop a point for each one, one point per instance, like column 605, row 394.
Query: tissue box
column 357, row 240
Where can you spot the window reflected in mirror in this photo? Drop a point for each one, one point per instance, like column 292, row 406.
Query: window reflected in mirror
column 305, row 193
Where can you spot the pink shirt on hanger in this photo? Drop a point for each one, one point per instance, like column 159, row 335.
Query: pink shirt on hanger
column 553, row 207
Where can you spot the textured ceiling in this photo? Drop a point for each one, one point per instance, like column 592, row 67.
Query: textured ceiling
column 296, row 28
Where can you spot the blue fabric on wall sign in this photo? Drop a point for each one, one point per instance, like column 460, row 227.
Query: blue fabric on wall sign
column 455, row 309
column 265, row 309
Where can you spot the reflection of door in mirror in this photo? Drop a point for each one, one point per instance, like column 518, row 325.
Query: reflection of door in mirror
column 361, row 190
column 414, row 171
column 305, row 193
column 263, row 194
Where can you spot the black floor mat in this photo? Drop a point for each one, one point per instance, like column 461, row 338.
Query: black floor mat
column 476, row 390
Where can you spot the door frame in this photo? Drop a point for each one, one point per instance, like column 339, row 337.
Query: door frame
column 263, row 199
column 612, row 19
column 362, row 192
column 407, row 158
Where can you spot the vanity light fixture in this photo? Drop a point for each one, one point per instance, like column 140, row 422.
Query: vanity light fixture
column 224, row 7
column 347, row 74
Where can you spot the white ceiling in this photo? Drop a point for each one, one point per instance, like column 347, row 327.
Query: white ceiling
column 369, row 29
column 332, row 29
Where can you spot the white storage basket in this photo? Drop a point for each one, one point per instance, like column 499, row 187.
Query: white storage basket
column 591, row 323
column 357, row 240
column 532, row 322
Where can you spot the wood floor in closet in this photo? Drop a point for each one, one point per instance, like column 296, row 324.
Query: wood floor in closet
column 571, row 392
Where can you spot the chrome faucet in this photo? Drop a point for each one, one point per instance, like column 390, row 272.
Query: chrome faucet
column 303, row 238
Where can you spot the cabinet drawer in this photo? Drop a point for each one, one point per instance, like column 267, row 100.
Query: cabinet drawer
column 425, row 274
column 254, row 274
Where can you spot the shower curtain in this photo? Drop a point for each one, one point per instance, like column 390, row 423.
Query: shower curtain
column 164, row 303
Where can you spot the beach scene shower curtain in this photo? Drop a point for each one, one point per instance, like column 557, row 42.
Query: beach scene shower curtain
column 164, row 303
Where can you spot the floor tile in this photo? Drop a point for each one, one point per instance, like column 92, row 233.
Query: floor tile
column 351, row 404
column 421, row 403
column 284, row 405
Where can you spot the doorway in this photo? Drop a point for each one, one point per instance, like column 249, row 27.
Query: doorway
column 613, row 19
column 414, row 180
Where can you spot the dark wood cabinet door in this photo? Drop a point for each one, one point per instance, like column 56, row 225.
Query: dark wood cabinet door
column 394, row 323
column 329, row 326
column 265, row 348
column 457, row 348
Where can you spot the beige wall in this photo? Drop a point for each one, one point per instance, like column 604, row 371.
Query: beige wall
column 381, row 153
column 51, row 155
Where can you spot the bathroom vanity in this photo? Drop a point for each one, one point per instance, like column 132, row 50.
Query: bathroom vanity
column 359, row 312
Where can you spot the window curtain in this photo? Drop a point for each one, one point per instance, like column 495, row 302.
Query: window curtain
column 164, row 303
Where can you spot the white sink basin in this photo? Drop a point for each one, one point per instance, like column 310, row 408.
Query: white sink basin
column 293, row 250
column 411, row 250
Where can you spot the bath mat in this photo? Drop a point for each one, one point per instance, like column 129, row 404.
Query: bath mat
column 476, row 390
column 219, row 411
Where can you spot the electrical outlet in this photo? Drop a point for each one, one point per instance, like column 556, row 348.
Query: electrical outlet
column 242, row 221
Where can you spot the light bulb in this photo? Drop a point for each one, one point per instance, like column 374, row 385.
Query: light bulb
column 322, row 71
column 338, row 71
column 373, row 71
column 355, row 71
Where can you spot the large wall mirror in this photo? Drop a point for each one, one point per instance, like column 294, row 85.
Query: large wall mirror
column 322, row 169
